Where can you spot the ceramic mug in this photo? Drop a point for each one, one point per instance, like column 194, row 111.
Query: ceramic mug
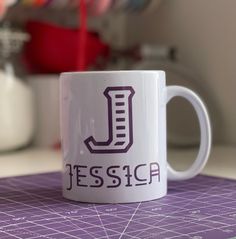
column 113, row 127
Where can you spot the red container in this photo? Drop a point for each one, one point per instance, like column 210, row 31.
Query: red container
column 54, row 49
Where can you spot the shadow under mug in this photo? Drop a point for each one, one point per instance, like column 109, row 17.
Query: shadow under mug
column 113, row 127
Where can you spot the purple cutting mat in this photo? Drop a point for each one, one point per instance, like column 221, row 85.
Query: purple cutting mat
column 32, row 207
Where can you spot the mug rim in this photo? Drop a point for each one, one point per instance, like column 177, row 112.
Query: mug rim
column 111, row 71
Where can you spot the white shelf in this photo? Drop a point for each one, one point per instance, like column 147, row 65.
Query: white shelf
column 222, row 161
column 30, row 161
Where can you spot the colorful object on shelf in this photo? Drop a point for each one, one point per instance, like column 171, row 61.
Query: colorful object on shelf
column 131, row 5
column 2, row 9
column 4, row 4
column 98, row 7
column 54, row 49
column 120, row 4
column 37, row 3
column 135, row 5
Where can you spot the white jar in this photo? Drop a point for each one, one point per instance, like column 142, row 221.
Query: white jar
column 16, row 112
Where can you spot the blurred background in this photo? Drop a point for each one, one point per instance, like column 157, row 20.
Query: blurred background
column 193, row 41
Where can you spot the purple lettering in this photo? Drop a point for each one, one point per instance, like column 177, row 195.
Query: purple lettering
column 128, row 175
column 136, row 175
column 111, row 172
column 71, row 175
column 94, row 173
column 112, row 176
column 154, row 171
column 78, row 175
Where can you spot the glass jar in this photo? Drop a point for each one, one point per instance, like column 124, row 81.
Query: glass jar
column 16, row 98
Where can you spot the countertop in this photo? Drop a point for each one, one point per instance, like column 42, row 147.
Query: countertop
column 222, row 161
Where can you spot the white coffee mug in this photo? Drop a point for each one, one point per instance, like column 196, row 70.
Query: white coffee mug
column 113, row 127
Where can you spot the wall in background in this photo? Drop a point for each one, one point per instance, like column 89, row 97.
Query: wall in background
column 205, row 34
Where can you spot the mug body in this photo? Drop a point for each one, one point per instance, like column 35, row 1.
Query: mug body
column 113, row 127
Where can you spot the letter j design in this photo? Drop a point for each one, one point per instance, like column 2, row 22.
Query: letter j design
column 120, row 122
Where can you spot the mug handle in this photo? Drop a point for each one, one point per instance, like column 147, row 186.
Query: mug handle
column 205, row 129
